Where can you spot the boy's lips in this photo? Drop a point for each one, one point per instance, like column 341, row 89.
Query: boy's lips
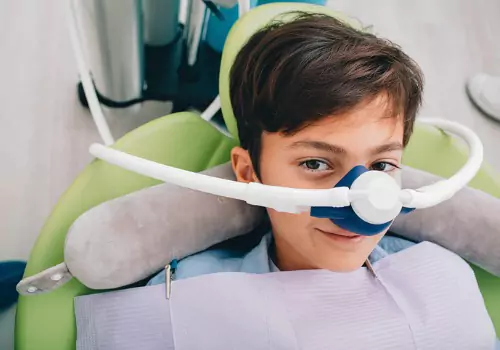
column 342, row 235
column 339, row 233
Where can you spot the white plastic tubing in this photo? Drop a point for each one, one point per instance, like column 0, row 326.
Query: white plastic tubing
column 298, row 200
column 280, row 198
column 438, row 192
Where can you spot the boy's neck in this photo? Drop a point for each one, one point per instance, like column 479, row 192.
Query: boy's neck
column 285, row 257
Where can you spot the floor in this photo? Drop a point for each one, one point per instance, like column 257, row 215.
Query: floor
column 45, row 133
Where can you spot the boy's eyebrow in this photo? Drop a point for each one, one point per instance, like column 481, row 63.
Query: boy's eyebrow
column 319, row 145
column 388, row 147
column 328, row 147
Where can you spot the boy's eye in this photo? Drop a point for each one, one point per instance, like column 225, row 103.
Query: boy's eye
column 315, row 165
column 383, row 166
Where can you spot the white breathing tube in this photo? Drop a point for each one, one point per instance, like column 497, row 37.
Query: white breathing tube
column 280, row 198
column 298, row 200
column 438, row 192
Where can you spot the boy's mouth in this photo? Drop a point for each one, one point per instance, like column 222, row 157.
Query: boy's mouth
column 343, row 236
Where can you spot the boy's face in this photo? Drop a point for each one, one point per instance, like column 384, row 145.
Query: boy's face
column 317, row 157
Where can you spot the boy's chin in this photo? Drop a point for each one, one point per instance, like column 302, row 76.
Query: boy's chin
column 347, row 264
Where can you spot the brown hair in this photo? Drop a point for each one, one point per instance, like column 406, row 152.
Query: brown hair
column 291, row 74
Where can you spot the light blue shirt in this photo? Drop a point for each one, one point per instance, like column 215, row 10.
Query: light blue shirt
column 256, row 259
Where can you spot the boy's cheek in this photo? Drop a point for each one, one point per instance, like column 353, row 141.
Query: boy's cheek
column 287, row 221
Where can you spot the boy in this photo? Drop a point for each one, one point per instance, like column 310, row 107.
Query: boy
column 314, row 98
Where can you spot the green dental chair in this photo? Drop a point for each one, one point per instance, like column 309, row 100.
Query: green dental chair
column 184, row 140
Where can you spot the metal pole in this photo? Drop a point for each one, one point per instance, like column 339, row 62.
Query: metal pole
column 114, row 42
column 83, row 70
column 161, row 21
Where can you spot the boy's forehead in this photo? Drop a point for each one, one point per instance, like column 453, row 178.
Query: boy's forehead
column 341, row 137
column 350, row 126
column 368, row 125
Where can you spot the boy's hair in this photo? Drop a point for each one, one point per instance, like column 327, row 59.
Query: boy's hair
column 291, row 74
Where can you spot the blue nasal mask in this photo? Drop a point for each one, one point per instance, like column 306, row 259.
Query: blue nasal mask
column 345, row 217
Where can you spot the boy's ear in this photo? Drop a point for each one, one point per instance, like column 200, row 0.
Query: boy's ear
column 242, row 165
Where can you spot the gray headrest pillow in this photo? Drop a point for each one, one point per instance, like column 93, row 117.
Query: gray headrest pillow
column 129, row 238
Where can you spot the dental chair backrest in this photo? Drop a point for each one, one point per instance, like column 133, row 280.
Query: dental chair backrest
column 185, row 141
